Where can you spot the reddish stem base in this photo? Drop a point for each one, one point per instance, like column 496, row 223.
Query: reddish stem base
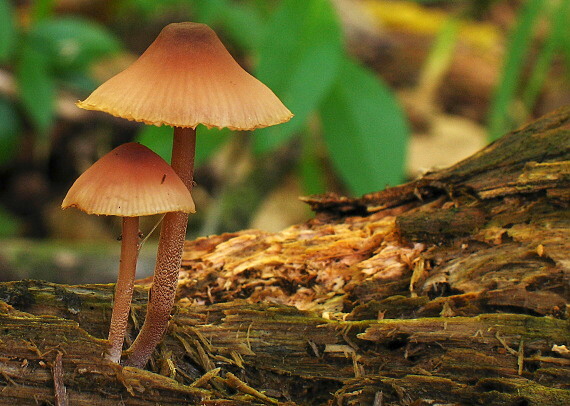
column 124, row 287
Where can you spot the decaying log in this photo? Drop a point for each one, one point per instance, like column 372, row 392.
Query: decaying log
column 451, row 289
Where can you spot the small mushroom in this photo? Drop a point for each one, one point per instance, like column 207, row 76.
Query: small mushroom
column 186, row 77
column 130, row 181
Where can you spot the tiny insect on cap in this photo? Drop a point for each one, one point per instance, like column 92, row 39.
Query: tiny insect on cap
column 187, row 77
column 129, row 181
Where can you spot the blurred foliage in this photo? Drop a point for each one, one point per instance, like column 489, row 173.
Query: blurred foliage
column 9, row 129
column 7, row 30
column 298, row 46
column 364, row 130
column 46, row 53
column 413, row 16
column 538, row 34
column 54, row 52
column 514, row 98
column 8, row 225
column 346, row 117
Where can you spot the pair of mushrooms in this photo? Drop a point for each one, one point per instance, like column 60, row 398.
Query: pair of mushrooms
column 186, row 77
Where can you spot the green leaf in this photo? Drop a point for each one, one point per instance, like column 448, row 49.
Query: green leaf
column 41, row 10
column 558, row 16
column 299, row 61
column 8, row 224
column 365, row 131
column 7, row 30
column 208, row 141
column 159, row 139
column 439, row 57
column 244, row 25
column 151, row 10
column 209, row 12
column 80, row 82
column 72, row 43
column 500, row 119
column 565, row 38
column 9, row 130
column 310, row 168
column 37, row 87
column 241, row 22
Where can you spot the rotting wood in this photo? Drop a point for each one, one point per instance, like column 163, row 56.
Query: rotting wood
column 453, row 289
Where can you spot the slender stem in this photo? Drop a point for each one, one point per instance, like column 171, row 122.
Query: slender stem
column 169, row 257
column 183, row 152
column 124, row 287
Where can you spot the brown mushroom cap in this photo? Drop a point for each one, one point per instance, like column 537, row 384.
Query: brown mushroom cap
column 187, row 77
column 129, row 181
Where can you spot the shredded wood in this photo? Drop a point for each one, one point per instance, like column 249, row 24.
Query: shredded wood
column 306, row 266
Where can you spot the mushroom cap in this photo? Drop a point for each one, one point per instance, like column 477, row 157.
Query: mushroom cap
column 187, row 77
column 129, row 181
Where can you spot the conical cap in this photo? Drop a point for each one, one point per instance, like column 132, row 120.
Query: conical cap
column 187, row 77
column 129, row 181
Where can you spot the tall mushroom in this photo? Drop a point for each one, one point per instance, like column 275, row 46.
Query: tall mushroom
column 186, row 77
column 130, row 181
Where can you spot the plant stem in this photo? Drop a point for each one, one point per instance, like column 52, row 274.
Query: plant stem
column 124, row 287
column 169, row 256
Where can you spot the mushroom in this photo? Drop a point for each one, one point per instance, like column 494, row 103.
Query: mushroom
column 130, row 181
column 186, row 77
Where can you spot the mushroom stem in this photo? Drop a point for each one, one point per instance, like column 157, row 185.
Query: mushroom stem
column 124, row 288
column 183, row 151
column 169, row 256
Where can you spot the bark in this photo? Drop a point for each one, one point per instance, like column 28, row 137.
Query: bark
column 451, row 289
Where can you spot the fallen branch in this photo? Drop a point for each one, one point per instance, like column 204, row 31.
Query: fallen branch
column 449, row 289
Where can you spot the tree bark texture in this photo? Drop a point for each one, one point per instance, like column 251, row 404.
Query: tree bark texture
column 451, row 289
